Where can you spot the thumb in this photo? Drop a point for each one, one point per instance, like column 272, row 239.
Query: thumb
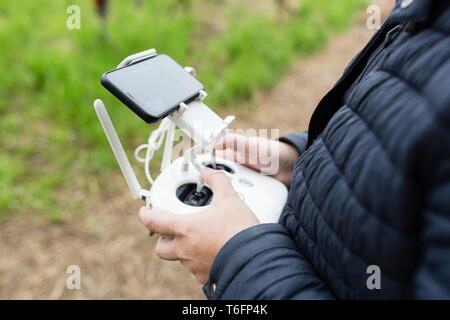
column 220, row 184
column 162, row 223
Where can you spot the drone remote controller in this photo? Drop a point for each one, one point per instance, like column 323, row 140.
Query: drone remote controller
column 179, row 188
column 175, row 190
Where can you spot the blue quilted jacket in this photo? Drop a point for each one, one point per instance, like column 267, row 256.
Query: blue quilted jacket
column 372, row 184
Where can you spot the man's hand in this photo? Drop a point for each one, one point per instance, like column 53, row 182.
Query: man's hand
column 270, row 157
column 195, row 239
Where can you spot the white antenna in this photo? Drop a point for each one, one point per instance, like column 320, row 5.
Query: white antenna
column 111, row 134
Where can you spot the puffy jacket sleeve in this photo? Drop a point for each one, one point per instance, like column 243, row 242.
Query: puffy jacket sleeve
column 263, row 262
column 298, row 140
column 432, row 278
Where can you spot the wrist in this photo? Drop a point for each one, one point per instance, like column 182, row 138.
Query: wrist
column 288, row 158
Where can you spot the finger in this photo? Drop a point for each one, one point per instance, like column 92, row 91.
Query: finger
column 227, row 154
column 162, row 223
column 241, row 157
column 166, row 249
column 234, row 147
column 233, row 141
column 220, row 184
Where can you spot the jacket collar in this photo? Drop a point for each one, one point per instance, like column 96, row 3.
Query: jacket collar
column 411, row 10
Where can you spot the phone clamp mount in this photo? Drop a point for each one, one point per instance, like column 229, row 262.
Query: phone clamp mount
column 179, row 188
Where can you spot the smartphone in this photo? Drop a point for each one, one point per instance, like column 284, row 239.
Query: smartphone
column 153, row 88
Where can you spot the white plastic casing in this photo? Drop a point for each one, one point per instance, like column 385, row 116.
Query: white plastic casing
column 200, row 123
column 264, row 195
column 124, row 164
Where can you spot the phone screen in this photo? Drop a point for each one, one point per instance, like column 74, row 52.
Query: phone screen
column 154, row 86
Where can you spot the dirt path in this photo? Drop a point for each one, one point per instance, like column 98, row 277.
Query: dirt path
column 107, row 242
column 298, row 94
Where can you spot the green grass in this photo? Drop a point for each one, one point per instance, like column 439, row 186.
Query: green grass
column 49, row 135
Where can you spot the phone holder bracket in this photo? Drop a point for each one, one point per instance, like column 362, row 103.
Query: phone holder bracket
column 134, row 58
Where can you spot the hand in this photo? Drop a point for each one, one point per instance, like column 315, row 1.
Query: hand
column 270, row 157
column 195, row 239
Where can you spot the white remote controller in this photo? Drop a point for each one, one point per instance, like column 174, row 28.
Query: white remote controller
column 175, row 190
column 179, row 188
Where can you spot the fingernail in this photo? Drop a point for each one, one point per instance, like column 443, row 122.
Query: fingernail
column 144, row 214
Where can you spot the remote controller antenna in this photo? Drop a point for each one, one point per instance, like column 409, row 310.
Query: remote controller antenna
column 133, row 184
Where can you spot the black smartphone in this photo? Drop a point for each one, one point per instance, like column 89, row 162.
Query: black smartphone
column 153, row 87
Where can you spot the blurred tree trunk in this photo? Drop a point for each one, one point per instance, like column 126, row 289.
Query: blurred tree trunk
column 101, row 6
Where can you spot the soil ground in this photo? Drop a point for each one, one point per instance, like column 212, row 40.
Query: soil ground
column 112, row 249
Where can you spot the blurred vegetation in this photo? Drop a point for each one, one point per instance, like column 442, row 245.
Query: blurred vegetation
column 50, row 139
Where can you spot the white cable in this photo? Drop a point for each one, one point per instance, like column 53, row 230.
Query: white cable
column 154, row 142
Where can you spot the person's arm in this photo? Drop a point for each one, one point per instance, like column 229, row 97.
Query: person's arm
column 298, row 140
column 255, row 260
column 263, row 262
column 262, row 256
column 432, row 278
